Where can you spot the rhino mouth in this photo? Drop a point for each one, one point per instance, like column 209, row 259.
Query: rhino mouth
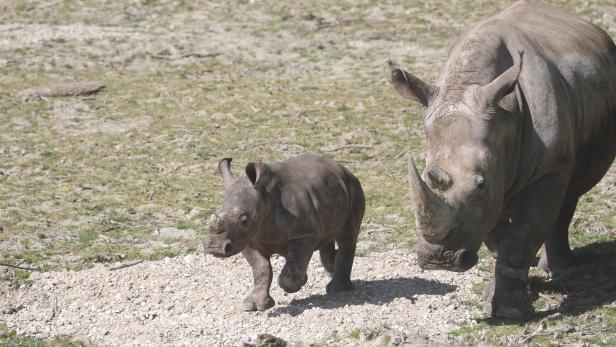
column 437, row 257
column 219, row 246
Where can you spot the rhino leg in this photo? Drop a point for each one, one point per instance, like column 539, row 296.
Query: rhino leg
column 293, row 275
column 259, row 299
column 345, row 255
column 328, row 257
column 532, row 217
column 556, row 255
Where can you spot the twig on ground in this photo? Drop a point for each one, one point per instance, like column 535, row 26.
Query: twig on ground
column 151, row 195
column 54, row 310
column 267, row 142
column 347, row 161
column 303, row 113
column 326, row 25
column 533, row 335
column 254, row 109
column 341, row 147
column 7, row 247
column 127, row 264
column 542, row 326
column 200, row 55
column 399, row 155
column 186, row 55
column 61, row 89
column 548, row 299
column 21, row 267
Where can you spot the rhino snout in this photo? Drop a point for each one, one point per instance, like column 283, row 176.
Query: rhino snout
column 228, row 248
column 219, row 245
column 465, row 260
column 437, row 257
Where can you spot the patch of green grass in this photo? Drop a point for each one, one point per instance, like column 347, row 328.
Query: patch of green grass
column 478, row 288
column 9, row 338
column 86, row 236
column 490, row 334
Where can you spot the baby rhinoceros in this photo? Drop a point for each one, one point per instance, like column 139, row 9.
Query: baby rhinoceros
column 291, row 208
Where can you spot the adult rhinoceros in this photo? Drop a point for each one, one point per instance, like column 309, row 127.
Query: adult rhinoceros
column 520, row 124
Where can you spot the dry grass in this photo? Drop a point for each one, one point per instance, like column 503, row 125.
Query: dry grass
column 89, row 179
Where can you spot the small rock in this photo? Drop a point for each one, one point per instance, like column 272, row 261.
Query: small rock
column 12, row 309
column 189, row 259
column 267, row 340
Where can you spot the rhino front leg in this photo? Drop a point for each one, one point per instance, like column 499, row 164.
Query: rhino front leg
column 531, row 219
column 293, row 275
column 259, row 299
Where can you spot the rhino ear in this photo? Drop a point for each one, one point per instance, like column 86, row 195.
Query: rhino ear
column 493, row 92
column 224, row 168
column 409, row 86
column 261, row 175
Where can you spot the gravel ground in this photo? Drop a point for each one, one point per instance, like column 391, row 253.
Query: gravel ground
column 195, row 300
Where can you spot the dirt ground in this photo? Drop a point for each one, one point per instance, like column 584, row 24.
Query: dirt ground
column 130, row 173
column 196, row 300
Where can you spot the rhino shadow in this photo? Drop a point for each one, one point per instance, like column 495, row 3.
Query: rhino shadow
column 589, row 285
column 592, row 283
column 376, row 292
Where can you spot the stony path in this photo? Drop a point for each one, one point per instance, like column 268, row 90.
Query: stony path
column 195, row 300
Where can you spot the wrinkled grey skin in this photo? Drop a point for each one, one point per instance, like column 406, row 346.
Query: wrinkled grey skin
column 520, row 124
column 292, row 208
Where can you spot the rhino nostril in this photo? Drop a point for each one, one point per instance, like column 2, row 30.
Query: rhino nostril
column 466, row 259
column 228, row 248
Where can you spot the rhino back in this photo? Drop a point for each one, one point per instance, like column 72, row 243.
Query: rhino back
column 320, row 193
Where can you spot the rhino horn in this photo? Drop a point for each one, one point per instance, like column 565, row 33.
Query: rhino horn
column 224, row 168
column 433, row 214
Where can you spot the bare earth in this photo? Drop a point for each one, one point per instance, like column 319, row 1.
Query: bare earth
column 195, row 300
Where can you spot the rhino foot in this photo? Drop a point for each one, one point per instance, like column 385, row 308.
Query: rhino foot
column 289, row 285
column 510, row 313
column 558, row 266
column 337, row 286
column 512, row 303
column 257, row 304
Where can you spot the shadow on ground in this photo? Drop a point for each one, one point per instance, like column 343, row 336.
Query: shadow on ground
column 376, row 292
column 592, row 283
column 589, row 285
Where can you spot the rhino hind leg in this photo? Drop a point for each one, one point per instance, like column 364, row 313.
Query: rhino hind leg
column 328, row 257
column 341, row 281
column 556, row 254
column 343, row 264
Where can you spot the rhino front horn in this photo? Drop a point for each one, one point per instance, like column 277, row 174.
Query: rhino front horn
column 433, row 214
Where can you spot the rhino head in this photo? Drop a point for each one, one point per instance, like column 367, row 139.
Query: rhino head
column 459, row 196
column 246, row 206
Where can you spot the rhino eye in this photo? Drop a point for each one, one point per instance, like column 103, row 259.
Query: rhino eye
column 243, row 220
column 479, row 180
